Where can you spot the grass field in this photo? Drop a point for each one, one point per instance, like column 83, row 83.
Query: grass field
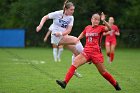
column 32, row 70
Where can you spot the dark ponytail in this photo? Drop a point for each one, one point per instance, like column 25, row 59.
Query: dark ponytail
column 64, row 7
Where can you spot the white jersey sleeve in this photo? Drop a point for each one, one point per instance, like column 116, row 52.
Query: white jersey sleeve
column 54, row 15
column 71, row 22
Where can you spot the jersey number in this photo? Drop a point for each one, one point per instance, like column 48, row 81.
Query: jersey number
column 64, row 25
column 89, row 39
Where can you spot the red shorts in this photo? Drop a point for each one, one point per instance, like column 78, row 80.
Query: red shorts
column 110, row 42
column 95, row 57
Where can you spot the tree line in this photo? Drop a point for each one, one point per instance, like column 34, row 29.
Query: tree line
column 27, row 14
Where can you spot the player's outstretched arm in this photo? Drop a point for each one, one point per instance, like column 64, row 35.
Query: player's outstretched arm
column 43, row 20
column 106, row 23
column 81, row 36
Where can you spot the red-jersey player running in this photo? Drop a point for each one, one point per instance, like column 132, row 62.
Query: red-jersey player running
column 110, row 41
column 92, row 51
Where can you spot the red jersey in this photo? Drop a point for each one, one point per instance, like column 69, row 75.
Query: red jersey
column 112, row 35
column 93, row 38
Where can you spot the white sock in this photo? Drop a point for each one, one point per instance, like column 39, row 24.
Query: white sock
column 55, row 54
column 79, row 47
column 60, row 50
column 72, row 59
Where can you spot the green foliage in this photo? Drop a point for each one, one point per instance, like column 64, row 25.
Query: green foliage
column 27, row 14
column 131, row 19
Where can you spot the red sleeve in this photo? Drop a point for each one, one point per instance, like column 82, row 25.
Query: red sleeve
column 103, row 28
column 84, row 31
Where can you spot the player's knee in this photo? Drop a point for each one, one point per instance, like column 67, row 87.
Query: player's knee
column 76, row 41
column 102, row 71
column 76, row 63
column 112, row 51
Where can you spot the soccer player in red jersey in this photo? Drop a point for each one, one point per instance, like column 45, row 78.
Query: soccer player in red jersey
column 92, row 51
column 110, row 41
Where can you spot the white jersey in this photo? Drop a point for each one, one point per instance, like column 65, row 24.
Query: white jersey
column 60, row 24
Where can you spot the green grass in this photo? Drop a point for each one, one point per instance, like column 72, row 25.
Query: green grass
column 32, row 70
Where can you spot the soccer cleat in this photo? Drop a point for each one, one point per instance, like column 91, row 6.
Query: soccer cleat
column 117, row 87
column 77, row 74
column 61, row 83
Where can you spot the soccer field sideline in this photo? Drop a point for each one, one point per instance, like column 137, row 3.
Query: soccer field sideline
column 128, row 78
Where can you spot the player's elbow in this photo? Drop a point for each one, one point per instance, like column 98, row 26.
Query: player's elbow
column 104, row 34
column 118, row 34
column 45, row 18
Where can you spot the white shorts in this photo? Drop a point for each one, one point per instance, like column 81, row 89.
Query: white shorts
column 55, row 40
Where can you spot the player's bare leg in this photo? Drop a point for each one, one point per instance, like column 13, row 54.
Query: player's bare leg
column 68, row 40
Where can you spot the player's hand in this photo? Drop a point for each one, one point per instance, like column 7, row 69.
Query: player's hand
column 78, row 40
column 117, row 33
column 45, row 39
column 38, row 28
column 102, row 16
column 57, row 34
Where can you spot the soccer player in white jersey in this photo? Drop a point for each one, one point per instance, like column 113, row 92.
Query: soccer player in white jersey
column 61, row 27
